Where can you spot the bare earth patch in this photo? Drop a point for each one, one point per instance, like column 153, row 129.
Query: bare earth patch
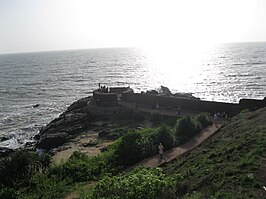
column 88, row 143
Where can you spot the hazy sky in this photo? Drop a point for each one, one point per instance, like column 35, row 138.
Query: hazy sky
column 40, row 25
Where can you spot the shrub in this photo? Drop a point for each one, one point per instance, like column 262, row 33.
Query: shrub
column 19, row 166
column 187, row 127
column 141, row 183
column 204, row 119
column 80, row 167
column 46, row 187
column 165, row 136
column 129, row 150
column 138, row 117
column 156, row 119
column 8, row 193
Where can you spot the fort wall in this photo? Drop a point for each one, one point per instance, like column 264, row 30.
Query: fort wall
column 185, row 104
column 252, row 104
column 193, row 104
column 104, row 97
column 126, row 94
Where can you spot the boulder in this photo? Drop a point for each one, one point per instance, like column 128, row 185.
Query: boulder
column 3, row 138
column 90, row 143
column 50, row 141
column 5, row 151
column 80, row 104
column 103, row 134
column 165, row 90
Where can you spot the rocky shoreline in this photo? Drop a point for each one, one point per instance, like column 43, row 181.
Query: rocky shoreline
column 75, row 121
column 69, row 124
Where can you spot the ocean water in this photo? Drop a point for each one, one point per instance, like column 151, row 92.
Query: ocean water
column 54, row 80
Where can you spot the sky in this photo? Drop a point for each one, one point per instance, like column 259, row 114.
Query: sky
column 44, row 25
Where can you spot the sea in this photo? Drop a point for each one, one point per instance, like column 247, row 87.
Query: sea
column 54, row 80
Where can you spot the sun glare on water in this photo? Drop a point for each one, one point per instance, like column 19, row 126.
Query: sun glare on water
column 176, row 66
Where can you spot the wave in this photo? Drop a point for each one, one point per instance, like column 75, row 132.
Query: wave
column 239, row 64
column 258, row 63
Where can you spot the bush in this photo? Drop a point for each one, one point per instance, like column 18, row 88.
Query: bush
column 165, row 136
column 204, row 119
column 18, row 167
column 141, row 183
column 156, row 119
column 187, row 127
column 46, row 187
column 8, row 193
column 80, row 167
column 129, row 150
column 138, row 145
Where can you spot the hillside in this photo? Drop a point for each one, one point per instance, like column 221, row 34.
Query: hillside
column 231, row 164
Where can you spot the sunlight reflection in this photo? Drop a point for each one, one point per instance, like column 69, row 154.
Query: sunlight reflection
column 176, row 67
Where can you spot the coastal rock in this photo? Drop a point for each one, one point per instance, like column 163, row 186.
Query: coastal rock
column 75, row 120
column 71, row 123
column 165, row 90
column 103, row 134
column 3, row 138
column 90, row 143
column 103, row 149
column 30, row 145
column 36, row 105
column 5, row 151
column 50, row 141
column 80, row 104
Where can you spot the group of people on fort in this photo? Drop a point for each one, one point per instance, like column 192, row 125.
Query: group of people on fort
column 103, row 89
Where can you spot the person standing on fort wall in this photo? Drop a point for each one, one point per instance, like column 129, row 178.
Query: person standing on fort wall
column 160, row 147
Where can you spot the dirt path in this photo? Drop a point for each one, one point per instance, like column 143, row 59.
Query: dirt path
column 87, row 143
column 171, row 154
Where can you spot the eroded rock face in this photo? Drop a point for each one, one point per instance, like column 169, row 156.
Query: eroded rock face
column 49, row 141
column 5, row 151
column 69, row 124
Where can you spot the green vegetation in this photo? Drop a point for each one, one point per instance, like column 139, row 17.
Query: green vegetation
column 28, row 175
column 187, row 127
column 229, row 165
column 141, row 183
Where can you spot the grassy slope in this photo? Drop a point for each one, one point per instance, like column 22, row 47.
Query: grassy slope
column 230, row 165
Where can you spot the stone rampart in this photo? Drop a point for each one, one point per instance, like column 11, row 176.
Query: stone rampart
column 252, row 104
column 193, row 104
column 104, row 97
column 126, row 94
column 120, row 90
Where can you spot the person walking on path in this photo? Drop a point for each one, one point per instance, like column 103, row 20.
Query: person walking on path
column 160, row 147
column 215, row 118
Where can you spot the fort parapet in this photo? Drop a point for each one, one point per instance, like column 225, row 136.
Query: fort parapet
column 126, row 94
column 109, row 97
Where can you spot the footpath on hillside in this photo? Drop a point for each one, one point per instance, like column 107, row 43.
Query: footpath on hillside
column 172, row 154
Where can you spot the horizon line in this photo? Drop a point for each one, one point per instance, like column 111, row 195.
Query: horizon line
column 115, row 47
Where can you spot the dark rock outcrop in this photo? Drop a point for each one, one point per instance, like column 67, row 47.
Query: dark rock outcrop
column 69, row 124
column 5, row 151
column 3, row 138
column 49, row 141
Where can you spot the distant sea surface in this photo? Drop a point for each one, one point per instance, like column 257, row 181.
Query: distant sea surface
column 56, row 79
